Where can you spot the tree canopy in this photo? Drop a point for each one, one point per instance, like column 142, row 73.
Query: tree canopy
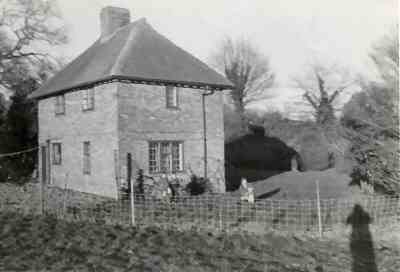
column 372, row 117
column 29, row 31
column 322, row 86
column 247, row 68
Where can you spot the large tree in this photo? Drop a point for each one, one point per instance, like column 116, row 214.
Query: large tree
column 247, row 68
column 322, row 87
column 29, row 29
column 372, row 117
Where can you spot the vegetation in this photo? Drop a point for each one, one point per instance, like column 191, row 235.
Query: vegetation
column 372, row 120
column 25, row 26
column 322, row 86
column 29, row 243
column 254, row 157
column 249, row 71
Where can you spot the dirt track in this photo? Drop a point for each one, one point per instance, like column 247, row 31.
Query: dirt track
column 45, row 244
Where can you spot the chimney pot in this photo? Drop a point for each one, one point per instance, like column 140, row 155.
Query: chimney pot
column 112, row 18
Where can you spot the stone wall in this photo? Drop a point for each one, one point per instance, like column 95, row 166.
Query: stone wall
column 143, row 117
column 125, row 118
column 99, row 126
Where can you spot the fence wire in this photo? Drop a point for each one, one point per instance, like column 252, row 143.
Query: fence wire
column 212, row 212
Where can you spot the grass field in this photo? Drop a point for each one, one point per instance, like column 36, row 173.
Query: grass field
column 29, row 243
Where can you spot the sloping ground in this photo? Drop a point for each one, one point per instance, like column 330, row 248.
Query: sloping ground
column 45, row 244
column 302, row 185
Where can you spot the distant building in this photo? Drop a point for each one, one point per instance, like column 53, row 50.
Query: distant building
column 133, row 100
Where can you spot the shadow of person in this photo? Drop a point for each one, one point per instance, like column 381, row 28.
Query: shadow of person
column 361, row 244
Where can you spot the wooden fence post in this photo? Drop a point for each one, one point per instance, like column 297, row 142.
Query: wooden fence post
column 319, row 210
column 220, row 214
column 41, row 198
column 132, row 203
column 117, row 173
column 64, row 206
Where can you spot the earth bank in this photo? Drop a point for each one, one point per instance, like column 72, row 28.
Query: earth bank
column 30, row 243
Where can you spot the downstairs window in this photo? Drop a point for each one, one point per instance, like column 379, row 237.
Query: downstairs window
column 165, row 156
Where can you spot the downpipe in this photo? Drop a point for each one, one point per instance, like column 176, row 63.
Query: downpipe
column 203, row 102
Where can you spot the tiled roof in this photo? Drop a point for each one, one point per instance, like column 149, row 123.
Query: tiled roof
column 138, row 53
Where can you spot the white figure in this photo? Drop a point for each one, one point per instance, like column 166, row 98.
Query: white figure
column 243, row 183
column 250, row 196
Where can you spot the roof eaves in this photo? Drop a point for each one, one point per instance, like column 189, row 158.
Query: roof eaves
column 135, row 80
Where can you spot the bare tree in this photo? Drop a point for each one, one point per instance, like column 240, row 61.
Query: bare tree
column 385, row 54
column 28, row 30
column 322, row 87
column 247, row 69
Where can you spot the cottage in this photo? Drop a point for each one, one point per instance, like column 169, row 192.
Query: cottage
column 133, row 100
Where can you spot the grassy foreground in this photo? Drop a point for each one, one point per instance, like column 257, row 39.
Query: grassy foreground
column 29, row 243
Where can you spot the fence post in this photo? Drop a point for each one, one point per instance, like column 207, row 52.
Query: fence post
column 64, row 205
column 41, row 198
column 63, row 210
column 319, row 210
column 132, row 203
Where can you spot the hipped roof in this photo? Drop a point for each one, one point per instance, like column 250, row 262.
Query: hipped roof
column 136, row 53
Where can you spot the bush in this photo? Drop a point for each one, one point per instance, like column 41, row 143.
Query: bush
column 198, row 185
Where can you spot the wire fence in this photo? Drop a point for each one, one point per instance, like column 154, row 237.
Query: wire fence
column 212, row 212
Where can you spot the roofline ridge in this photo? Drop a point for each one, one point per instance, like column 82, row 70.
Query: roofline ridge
column 116, row 67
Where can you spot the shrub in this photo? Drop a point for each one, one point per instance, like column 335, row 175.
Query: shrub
column 198, row 185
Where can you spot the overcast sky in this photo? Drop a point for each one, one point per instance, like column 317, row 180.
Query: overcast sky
column 288, row 31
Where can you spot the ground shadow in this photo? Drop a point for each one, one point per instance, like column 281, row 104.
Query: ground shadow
column 361, row 243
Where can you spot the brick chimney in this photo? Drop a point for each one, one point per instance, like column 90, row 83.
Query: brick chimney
column 112, row 18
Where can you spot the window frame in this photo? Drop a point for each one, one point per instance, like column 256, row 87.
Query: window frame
column 87, row 165
column 59, row 105
column 175, row 98
column 56, row 160
column 88, row 99
column 170, row 157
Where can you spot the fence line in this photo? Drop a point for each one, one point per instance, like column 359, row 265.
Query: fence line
column 216, row 212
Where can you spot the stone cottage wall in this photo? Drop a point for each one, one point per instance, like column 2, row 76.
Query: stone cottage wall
column 72, row 129
column 143, row 117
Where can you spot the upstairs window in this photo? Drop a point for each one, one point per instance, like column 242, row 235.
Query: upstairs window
column 56, row 153
column 165, row 157
column 88, row 99
column 60, row 104
column 86, row 158
column 171, row 94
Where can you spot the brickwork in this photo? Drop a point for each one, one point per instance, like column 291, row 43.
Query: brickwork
column 99, row 126
column 125, row 118
column 144, row 117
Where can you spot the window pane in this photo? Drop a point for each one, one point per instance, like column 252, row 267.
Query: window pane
column 91, row 98
column 153, row 161
column 56, row 153
column 165, row 157
column 86, row 158
column 88, row 99
column 60, row 104
column 172, row 96
column 176, row 157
